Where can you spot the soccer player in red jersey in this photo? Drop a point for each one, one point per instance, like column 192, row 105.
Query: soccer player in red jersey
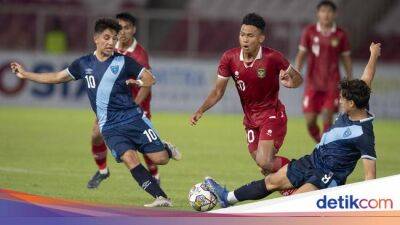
column 256, row 71
column 127, row 45
column 323, row 44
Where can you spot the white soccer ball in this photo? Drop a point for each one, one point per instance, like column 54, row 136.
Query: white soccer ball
column 201, row 199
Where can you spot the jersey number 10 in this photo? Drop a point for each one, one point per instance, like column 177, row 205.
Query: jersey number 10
column 91, row 83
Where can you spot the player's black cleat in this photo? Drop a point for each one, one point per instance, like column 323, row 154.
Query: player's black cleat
column 97, row 179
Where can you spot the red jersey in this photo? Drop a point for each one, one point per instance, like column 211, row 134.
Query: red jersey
column 324, row 51
column 257, row 83
column 139, row 54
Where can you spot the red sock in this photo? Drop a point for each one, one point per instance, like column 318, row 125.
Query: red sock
column 279, row 162
column 327, row 126
column 100, row 155
column 153, row 168
column 315, row 133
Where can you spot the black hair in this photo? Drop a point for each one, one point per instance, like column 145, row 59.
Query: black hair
column 127, row 17
column 356, row 91
column 328, row 4
column 255, row 20
column 106, row 23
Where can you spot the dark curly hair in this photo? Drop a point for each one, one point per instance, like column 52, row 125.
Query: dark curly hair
column 106, row 23
column 255, row 20
column 356, row 91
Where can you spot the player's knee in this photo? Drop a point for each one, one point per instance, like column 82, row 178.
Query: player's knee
column 271, row 183
column 160, row 159
column 130, row 159
column 266, row 164
column 311, row 123
column 97, row 139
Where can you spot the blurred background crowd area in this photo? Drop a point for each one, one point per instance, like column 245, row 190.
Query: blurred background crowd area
column 192, row 28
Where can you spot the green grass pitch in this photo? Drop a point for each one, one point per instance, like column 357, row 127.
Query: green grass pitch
column 47, row 152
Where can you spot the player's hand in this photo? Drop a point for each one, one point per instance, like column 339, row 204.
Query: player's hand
column 285, row 78
column 375, row 49
column 195, row 117
column 17, row 69
column 133, row 82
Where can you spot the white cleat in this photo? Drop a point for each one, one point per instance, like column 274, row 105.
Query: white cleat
column 176, row 155
column 160, row 202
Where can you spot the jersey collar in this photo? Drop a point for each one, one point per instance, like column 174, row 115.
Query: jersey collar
column 259, row 56
column 130, row 49
column 370, row 117
column 332, row 30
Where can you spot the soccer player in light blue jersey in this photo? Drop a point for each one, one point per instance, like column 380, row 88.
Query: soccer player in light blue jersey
column 350, row 138
column 121, row 121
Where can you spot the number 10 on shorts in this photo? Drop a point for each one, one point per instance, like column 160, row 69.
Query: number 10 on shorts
column 150, row 134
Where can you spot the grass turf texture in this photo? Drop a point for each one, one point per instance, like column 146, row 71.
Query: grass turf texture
column 47, row 152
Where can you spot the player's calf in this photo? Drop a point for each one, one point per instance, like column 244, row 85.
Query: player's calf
column 142, row 176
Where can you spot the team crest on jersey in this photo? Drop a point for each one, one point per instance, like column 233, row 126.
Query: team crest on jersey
column 261, row 73
column 347, row 133
column 114, row 69
column 334, row 42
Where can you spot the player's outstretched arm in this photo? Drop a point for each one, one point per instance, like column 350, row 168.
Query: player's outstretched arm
column 212, row 99
column 369, row 169
column 369, row 71
column 290, row 78
column 44, row 78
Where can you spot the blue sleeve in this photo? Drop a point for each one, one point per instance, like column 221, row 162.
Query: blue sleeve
column 75, row 69
column 133, row 68
column 366, row 144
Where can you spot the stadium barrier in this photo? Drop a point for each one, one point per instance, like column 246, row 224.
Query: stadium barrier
column 182, row 85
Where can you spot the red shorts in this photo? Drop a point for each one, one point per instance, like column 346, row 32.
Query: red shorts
column 274, row 128
column 316, row 101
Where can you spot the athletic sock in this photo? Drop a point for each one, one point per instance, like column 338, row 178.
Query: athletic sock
column 279, row 162
column 100, row 155
column 103, row 171
column 147, row 182
column 253, row 191
column 314, row 132
column 231, row 198
column 153, row 168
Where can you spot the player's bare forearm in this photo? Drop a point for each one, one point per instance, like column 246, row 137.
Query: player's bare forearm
column 370, row 68
column 215, row 95
column 348, row 66
column 212, row 99
column 44, row 78
column 369, row 169
column 142, row 94
column 47, row 78
column 299, row 61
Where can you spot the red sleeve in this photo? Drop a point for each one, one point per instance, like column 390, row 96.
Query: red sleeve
column 223, row 68
column 304, row 40
column 146, row 62
column 282, row 62
column 344, row 44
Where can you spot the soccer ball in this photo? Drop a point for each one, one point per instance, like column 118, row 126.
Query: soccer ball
column 201, row 199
